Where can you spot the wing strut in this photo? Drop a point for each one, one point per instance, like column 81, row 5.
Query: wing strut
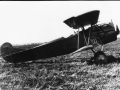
column 87, row 41
column 83, row 29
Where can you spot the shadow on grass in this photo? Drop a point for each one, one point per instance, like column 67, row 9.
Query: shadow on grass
column 111, row 59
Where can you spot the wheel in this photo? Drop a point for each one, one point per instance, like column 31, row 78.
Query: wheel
column 100, row 58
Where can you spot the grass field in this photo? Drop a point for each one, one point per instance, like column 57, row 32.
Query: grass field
column 69, row 72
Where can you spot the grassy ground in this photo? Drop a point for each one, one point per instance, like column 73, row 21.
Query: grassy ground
column 72, row 73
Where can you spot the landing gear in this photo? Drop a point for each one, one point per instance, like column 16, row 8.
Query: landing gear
column 100, row 58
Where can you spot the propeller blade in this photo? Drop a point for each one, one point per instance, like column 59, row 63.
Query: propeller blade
column 117, row 30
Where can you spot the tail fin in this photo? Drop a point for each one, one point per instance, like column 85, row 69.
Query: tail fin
column 6, row 49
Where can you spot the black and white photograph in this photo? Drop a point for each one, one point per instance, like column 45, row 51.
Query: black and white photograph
column 59, row 45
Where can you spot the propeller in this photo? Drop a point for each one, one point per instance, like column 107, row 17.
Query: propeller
column 117, row 30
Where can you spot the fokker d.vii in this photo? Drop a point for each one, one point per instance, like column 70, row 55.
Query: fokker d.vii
column 96, row 34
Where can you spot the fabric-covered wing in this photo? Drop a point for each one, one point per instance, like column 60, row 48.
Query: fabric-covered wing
column 83, row 20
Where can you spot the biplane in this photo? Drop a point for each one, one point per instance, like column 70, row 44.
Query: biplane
column 84, row 39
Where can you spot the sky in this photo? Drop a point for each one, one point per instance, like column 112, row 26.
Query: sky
column 25, row 22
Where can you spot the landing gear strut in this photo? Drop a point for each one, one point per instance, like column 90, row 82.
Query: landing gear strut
column 99, row 57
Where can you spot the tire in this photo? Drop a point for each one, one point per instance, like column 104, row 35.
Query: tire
column 100, row 58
